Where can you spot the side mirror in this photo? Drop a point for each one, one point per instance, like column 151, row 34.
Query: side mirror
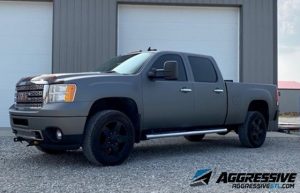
column 171, row 70
column 152, row 73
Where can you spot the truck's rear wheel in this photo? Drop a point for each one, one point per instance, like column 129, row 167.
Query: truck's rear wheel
column 194, row 138
column 109, row 138
column 253, row 132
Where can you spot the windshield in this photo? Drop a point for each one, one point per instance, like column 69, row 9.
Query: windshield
column 127, row 64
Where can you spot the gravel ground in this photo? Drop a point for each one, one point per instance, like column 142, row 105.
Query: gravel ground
column 162, row 165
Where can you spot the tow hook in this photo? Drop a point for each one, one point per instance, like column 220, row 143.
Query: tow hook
column 18, row 139
column 32, row 143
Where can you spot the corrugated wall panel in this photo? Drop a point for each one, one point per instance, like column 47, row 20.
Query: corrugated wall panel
column 85, row 34
column 258, row 42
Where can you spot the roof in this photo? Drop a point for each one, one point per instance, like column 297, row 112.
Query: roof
column 293, row 85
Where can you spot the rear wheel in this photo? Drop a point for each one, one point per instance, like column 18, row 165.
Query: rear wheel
column 253, row 132
column 194, row 138
column 109, row 138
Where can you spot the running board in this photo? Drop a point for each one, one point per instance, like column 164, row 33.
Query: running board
column 186, row 133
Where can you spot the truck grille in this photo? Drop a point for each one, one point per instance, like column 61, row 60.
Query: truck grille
column 29, row 96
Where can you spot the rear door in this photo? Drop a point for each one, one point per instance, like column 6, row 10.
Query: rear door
column 210, row 92
column 168, row 103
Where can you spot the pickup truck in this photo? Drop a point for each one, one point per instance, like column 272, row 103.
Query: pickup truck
column 135, row 97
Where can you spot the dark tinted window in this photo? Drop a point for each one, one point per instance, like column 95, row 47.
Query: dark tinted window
column 159, row 64
column 203, row 69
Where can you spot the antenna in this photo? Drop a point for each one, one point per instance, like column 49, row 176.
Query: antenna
column 151, row 49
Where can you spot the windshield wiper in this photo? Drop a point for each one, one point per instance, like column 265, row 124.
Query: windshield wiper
column 111, row 71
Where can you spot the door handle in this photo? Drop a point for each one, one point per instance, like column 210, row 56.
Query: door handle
column 186, row 90
column 218, row 90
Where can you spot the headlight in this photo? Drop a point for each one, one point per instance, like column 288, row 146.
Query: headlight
column 61, row 93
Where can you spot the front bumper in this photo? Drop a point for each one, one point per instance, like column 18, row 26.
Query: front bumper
column 39, row 130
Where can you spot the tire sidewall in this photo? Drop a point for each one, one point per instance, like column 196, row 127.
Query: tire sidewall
column 254, row 116
column 97, row 127
column 246, row 130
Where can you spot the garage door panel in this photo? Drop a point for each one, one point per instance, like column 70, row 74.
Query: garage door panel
column 10, row 29
column 206, row 30
column 26, row 64
column 20, row 45
column 208, row 48
column 26, row 46
column 166, row 13
column 194, row 32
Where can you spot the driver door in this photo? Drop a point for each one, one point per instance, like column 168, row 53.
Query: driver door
column 168, row 103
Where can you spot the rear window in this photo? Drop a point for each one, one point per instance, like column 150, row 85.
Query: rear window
column 203, row 69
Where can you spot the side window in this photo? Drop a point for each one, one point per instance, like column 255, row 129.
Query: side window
column 159, row 64
column 203, row 69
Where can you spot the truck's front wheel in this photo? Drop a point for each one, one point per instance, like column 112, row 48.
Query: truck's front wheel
column 253, row 132
column 109, row 138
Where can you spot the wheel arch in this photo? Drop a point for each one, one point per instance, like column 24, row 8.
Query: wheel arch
column 125, row 105
column 260, row 106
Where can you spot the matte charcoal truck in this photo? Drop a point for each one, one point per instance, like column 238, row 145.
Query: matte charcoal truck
column 139, row 96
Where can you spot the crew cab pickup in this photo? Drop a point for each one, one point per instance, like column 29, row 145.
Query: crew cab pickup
column 138, row 96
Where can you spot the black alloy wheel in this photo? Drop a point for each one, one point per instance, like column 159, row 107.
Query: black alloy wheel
column 109, row 138
column 113, row 138
column 253, row 132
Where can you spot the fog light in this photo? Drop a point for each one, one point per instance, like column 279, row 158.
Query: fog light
column 58, row 134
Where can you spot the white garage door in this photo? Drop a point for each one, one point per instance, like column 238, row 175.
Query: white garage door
column 205, row 30
column 25, row 46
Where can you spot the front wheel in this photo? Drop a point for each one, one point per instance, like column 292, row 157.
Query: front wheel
column 109, row 138
column 253, row 131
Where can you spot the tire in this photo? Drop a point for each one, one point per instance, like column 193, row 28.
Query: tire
column 253, row 132
column 194, row 138
column 50, row 151
column 109, row 138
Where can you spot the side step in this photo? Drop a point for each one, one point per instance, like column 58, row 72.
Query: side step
column 185, row 133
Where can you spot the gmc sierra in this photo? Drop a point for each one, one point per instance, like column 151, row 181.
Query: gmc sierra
column 138, row 96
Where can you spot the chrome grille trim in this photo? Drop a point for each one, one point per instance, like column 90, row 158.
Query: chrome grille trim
column 30, row 96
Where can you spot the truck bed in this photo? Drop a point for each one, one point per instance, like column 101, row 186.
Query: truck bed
column 240, row 95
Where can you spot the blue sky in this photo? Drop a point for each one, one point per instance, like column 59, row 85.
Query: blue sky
column 289, row 40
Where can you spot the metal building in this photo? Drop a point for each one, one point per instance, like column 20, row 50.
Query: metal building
column 78, row 35
column 289, row 99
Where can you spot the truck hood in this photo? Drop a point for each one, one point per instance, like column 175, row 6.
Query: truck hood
column 59, row 78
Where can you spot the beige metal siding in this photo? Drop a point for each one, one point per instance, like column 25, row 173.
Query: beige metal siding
column 85, row 34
